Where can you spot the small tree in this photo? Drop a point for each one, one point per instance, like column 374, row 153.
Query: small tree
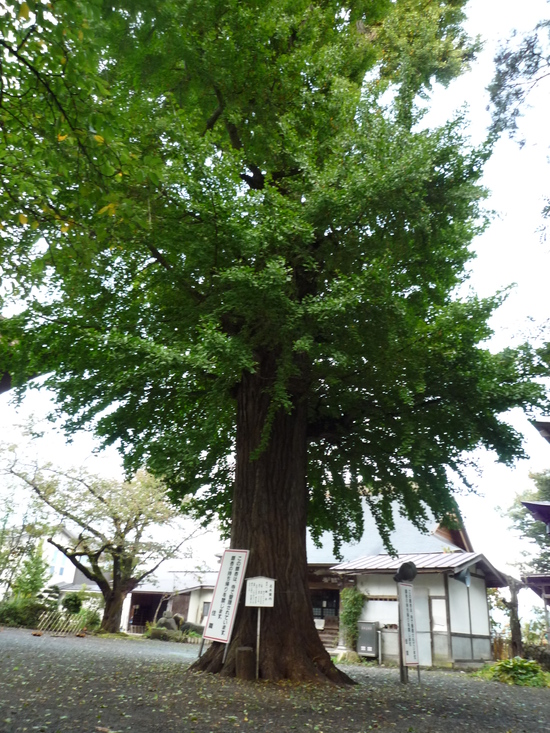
column 18, row 538
column 112, row 543
column 511, row 608
column 33, row 576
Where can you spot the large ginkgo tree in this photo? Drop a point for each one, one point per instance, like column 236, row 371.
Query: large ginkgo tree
column 239, row 251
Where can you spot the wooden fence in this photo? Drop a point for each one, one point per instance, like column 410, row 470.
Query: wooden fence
column 58, row 623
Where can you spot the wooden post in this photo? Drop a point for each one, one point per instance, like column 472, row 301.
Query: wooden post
column 244, row 663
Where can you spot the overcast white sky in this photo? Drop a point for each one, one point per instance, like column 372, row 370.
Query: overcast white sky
column 513, row 250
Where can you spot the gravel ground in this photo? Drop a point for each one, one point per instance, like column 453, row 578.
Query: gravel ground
column 93, row 685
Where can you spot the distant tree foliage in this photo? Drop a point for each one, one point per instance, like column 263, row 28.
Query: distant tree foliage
column 110, row 522
column 19, row 535
column 520, row 66
column 530, row 528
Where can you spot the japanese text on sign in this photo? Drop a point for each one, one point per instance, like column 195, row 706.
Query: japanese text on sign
column 226, row 596
column 408, row 625
column 260, row 592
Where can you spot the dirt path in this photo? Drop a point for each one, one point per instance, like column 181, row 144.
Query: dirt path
column 70, row 685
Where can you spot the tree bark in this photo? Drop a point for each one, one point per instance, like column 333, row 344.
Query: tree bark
column 269, row 519
column 516, row 643
column 112, row 614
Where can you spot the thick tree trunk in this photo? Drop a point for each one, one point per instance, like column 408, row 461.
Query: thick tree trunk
column 269, row 519
column 112, row 613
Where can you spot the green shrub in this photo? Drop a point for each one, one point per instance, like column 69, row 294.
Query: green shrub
column 20, row 611
column 92, row 618
column 72, row 602
column 516, row 671
column 49, row 596
column 540, row 654
column 352, row 602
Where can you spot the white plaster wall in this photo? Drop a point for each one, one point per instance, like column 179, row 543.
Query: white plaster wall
column 385, row 612
column 422, row 618
column 197, row 598
column 193, row 609
column 377, row 585
column 439, row 615
column 62, row 570
column 458, row 607
column 434, row 583
column 478, row 605
column 384, row 585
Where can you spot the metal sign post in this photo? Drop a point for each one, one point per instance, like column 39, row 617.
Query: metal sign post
column 260, row 593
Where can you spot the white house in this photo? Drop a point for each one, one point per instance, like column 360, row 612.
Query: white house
column 187, row 592
column 450, row 590
column 450, row 598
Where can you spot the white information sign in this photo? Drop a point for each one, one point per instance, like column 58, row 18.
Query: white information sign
column 260, row 592
column 226, row 596
column 408, row 625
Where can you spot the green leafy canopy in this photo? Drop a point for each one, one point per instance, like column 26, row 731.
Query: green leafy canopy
column 185, row 186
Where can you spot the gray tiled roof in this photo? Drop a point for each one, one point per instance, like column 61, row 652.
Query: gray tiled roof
column 434, row 561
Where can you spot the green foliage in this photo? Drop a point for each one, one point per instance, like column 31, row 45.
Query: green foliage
column 352, row 602
column 33, row 575
column 516, row 671
column 22, row 611
column 530, row 528
column 86, row 605
column 91, row 618
column 72, row 602
column 540, row 653
column 534, row 630
column 245, row 192
column 50, row 596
